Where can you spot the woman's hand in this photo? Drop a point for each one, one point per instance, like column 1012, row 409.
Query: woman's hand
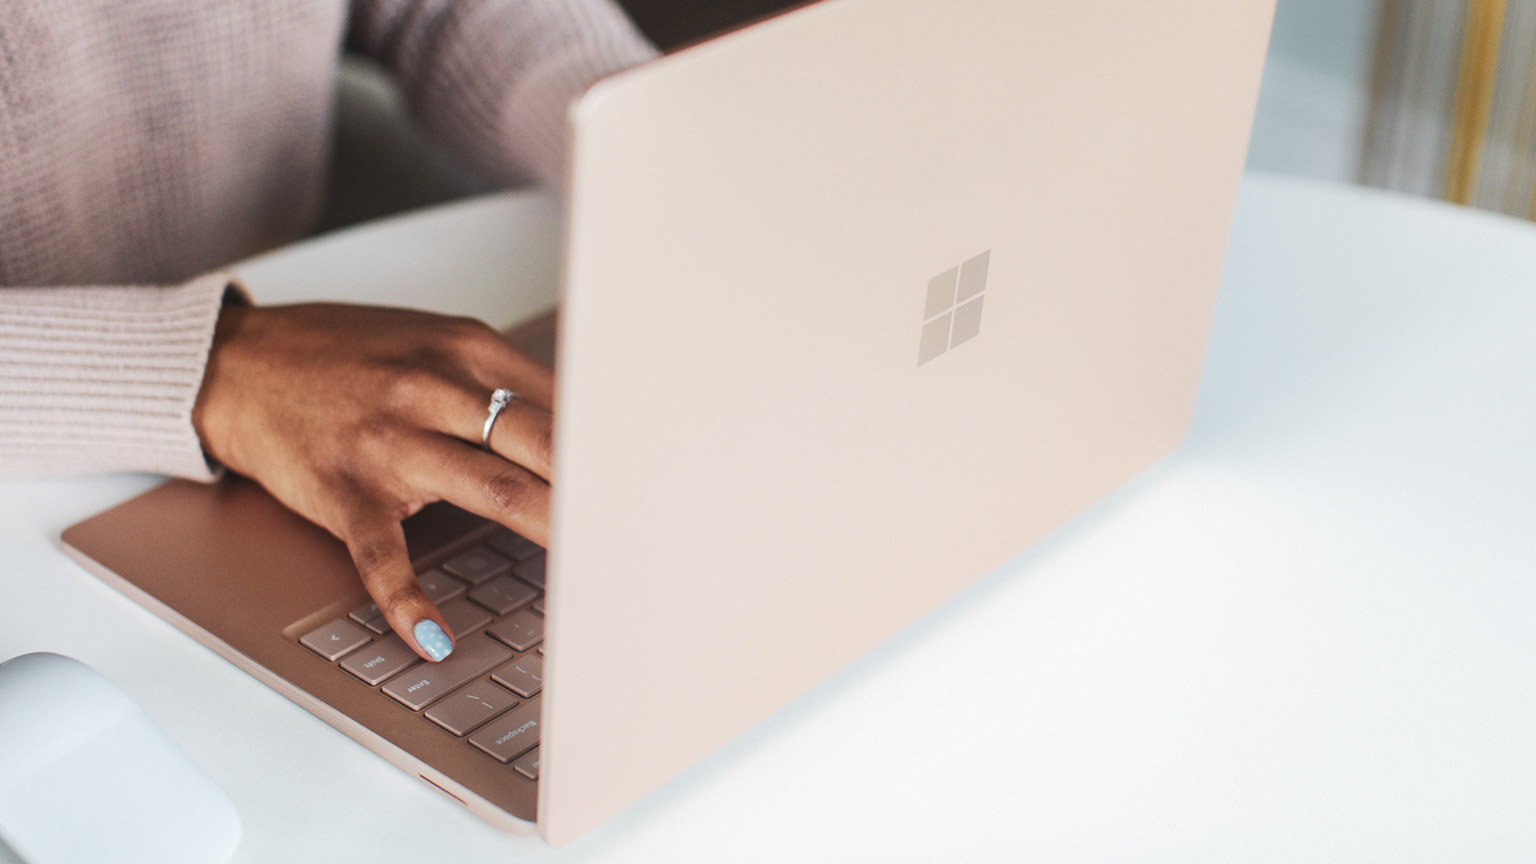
column 356, row 417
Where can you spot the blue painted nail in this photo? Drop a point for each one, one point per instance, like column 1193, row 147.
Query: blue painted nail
column 432, row 639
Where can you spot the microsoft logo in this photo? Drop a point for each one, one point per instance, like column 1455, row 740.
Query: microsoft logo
column 953, row 312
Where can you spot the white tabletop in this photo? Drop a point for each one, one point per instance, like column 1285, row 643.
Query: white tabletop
column 1305, row 636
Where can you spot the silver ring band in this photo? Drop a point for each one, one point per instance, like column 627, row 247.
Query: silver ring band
column 500, row 398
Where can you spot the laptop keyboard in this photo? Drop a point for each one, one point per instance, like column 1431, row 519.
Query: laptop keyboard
column 486, row 692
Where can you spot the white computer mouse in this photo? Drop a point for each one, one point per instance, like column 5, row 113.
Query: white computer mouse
column 85, row 776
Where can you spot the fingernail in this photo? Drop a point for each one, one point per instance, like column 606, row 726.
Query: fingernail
column 432, row 639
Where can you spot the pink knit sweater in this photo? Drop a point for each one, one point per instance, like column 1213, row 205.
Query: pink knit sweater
column 146, row 143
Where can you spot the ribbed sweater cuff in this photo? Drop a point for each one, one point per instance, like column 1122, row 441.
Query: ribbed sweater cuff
column 100, row 379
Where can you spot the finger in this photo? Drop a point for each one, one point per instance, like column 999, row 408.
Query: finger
column 484, row 484
column 523, row 433
column 537, row 381
column 498, row 364
column 378, row 549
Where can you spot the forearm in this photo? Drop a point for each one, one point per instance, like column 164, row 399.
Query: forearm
column 100, row 379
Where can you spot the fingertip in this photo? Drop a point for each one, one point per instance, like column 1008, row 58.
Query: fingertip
column 431, row 639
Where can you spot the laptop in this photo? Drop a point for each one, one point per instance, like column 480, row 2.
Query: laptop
column 858, row 303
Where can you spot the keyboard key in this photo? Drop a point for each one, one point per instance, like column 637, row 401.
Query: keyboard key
column 333, row 639
column 440, row 587
column 377, row 625
column 538, row 605
column 528, row 764
column 503, row 594
column 462, row 711
column 478, row 565
column 365, row 613
column 532, row 570
column 420, row 685
column 369, row 615
column 524, row 675
column 514, row 546
column 380, row 660
column 510, row 735
column 522, row 630
column 463, row 617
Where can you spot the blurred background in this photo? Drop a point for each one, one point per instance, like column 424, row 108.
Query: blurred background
column 1429, row 97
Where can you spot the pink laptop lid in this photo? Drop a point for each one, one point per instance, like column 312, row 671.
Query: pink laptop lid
column 860, row 302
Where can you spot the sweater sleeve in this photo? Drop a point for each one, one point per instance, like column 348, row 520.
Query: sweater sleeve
column 492, row 79
column 99, row 379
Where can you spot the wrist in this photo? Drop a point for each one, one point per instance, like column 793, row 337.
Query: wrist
column 209, row 411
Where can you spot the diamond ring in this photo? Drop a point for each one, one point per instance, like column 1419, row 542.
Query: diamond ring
column 500, row 399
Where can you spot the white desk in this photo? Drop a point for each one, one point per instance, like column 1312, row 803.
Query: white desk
column 1307, row 636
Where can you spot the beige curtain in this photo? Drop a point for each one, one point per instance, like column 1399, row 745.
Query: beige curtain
column 1453, row 102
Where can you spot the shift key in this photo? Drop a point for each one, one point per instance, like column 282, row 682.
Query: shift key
column 420, row 685
column 379, row 661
